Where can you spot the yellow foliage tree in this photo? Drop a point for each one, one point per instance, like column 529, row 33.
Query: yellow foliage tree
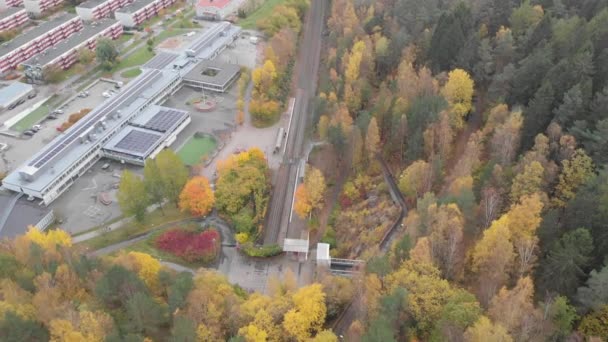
column 251, row 333
column 524, row 220
column 372, row 139
column 315, row 187
column 527, row 182
column 62, row 331
column 49, row 239
column 492, row 258
column 416, row 179
column 264, row 79
column 325, row 336
column 302, row 205
column 458, row 91
column 308, row 315
column 146, row 267
column 576, row 171
column 484, row 331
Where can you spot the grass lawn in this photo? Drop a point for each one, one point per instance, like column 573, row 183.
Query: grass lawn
column 33, row 117
column 196, row 148
column 137, row 58
column 132, row 229
column 131, row 73
column 168, row 33
column 148, row 246
column 123, row 39
column 263, row 11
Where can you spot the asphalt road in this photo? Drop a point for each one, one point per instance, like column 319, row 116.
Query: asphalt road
column 277, row 224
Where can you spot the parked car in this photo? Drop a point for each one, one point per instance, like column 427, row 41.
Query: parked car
column 32, row 95
column 36, row 128
column 29, row 133
column 83, row 94
column 106, row 94
column 52, row 117
column 57, row 111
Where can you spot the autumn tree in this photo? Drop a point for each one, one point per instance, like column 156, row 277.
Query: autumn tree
column 528, row 182
column 173, row 174
column 458, row 91
column 132, row 196
column 505, row 140
column 484, row 330
column 153, row 183
column 314, row 181
column 594, row 324
column 264, row 79
column 576, row 172
column 308, row 315
column 524, row 220
column 492, row 259
column 515, row 310
column 372, row 139
column 302, row 205
column 446, row 239
column 197, row 196
column 416, row 179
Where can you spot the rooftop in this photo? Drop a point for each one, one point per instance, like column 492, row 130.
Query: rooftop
column 134, row 141
column 24, row 214
column 159, row 119
column 213, row 72
column 6, row 13
column 215, row 37
column 30, row 35
column 135, row 6
column 62, row 152
column 88, row 31
column 213, row 3
column 92, row 3
column 160, row 61
column 9, row 92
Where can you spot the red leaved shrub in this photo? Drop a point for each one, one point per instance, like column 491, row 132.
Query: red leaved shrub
column 190, row 246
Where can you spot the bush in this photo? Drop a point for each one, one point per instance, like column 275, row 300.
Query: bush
column 261, row 251
column 190, row 246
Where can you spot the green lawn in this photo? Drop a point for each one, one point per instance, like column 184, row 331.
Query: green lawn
column 123, row 39
column 168, row 33
column 133, row 229
column 196, row 148
column 263, row 11
column 137, row 58
column 33, row 117
column 131, row 73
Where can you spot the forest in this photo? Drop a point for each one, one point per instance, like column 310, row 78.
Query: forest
column 493, row 117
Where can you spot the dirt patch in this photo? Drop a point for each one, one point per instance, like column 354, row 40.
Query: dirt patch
column 171, row 43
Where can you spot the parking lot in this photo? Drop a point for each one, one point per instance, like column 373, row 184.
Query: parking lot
column 21, row 148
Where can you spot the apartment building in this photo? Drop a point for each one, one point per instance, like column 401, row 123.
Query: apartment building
column 97, row 9
column 36, row 7
column 12, row 17
column 140, row 10
column 10, row 3
column 37, row 39
column 65, row 53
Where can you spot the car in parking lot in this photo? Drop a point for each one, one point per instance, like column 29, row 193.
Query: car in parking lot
column 29, row 133
column 52, row 116
column 57, row 111
column 16, row 104
column 83, row 94
column 36, row 128
column 32, row 95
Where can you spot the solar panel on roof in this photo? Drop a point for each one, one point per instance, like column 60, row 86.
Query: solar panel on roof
column 164, row 120
column 123, row 99
column 137, row 141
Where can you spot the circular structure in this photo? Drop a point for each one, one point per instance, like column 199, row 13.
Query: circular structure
column 205, row 105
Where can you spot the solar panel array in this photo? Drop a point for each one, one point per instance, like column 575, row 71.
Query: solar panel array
column 160, row 61
column 164, row 120
column 137, row 141
column 123, row 99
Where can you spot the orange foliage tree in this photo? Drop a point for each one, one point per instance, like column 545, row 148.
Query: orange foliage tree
column 197, row 196
column 302, row 205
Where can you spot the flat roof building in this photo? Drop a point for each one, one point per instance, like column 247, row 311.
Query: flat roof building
column 213, row 9
column 146, row 135
column 12, row 17
column 13, row 92
column 138, row 11
column 128, row 126
column 212, row 75
column 36, row 7
column 22, row 215
column 97, row 9
column 65, row 53
column 37, row 39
